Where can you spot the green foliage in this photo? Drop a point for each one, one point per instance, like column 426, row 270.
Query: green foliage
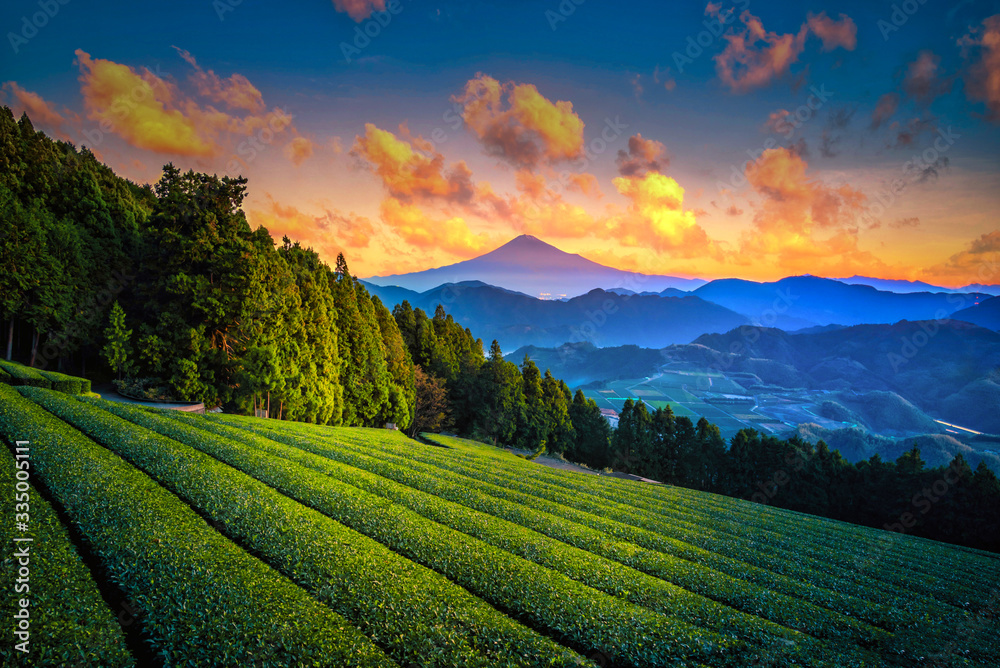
column 439, row 554
column 552, row 602
column 64, row 383
column 24, row 375
column 187, row 581
column 366, row 464
column 117, row 347
column 405, row 607
column 70, row 623
column 70, row 228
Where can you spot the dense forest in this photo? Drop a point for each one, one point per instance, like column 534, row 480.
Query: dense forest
column 169, row 290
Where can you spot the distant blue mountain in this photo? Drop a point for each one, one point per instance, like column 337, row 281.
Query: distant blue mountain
column 985, row 314
column 902, row 287
column 799, row 302
column 598, row 317
column 893, row 285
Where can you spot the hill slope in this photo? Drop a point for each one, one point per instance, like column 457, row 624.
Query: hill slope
column 468, row 555
column 985, row 314
column 598, row 317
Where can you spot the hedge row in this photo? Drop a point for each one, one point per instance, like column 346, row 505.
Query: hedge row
column 710, row 546
column 13, row 373
column 201, row 599
column 797, row 581
column 555, row 604
column 949, row 565
column 920, row 624
column 24, row 375
column 70, row 624
column 739, row 594
column 68, row 384
column 768, row 639
column 418, row 615
column 770, row 549
column 945, row 563
column 917, row 631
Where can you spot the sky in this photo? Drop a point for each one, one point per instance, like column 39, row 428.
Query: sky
column 752, row 139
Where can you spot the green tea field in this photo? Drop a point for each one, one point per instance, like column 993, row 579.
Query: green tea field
column 170, row 539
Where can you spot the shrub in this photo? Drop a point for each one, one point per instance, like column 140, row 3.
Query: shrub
column 64, row 383
column 24, row 375
column 629, row 634
column 70, row 623
column 201, row 598
column 417, row 614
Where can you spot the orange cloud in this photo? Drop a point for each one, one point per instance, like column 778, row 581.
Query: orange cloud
column 40, row 112
column 236, row 91
column 415, row 227
column 299, row 150
column 531, row 184
column 656, row 217
column 328, row 234
column 359, row 10
column 982, row 81
column 978, row 263
column 922, row 82
column 643, row 155
column 884, row 109
column 778, row 123
column 138, row 107
column 151, row 113
column 754, row 57
column 558, row 219
column 412, row 173
column 529, row 131
column 585, row 184
column 743, row 65
column 842, row 33
column 802, row 225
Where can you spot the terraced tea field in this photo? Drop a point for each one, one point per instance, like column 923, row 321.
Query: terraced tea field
column 163, row 538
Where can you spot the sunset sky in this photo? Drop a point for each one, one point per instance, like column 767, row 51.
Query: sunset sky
column 621, row 131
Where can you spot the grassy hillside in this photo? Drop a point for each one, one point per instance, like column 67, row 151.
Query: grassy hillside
column 262, row 542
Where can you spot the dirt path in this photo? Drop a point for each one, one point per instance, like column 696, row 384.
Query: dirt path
column 554, row 462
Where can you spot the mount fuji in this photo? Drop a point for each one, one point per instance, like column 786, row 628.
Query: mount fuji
column 528, row 265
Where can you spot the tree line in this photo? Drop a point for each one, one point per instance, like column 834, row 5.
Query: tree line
column 950, row 503
column 172, row 291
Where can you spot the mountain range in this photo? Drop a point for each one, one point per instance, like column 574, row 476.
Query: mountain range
column 508, row 295
column 948, row 369
column 806, row 301
column 598, row 317
column 529, row 265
